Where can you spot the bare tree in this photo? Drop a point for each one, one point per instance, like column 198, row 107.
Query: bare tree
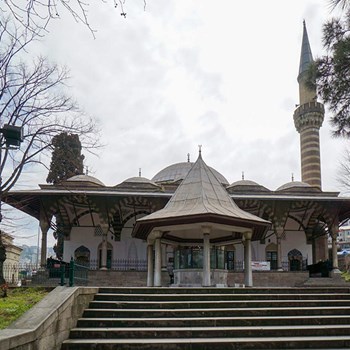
column 34, row 14
column 343, row 176
column 31, row 97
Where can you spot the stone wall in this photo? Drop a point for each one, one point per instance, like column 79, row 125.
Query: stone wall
column 270, row 278
column 139, row 278
column 112, row 278
column 48, row 323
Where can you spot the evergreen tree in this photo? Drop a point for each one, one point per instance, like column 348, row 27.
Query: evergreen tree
column 332, row 71
column 66, row 162
column 67, row 159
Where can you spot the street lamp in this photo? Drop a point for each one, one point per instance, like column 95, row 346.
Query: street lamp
column 13, row 137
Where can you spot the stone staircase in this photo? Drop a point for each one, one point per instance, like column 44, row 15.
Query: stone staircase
column 214, row 318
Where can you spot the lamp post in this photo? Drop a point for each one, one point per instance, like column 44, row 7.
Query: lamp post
column 13, row 137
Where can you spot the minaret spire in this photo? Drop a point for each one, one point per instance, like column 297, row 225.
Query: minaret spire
column 305, row 93
column 308, row 119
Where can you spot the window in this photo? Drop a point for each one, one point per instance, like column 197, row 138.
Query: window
column 272, row 258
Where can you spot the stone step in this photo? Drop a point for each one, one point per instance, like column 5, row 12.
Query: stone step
column 218, row 296
column 229, row 290
column 214, row 321
column 217, row 312
column 322, row 342
column 214, row 318
column 214, row 304
column 208, row 332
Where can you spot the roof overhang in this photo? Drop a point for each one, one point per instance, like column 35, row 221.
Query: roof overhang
column 189, row 228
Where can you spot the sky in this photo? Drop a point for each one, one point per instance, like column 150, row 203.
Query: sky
column 183, row 73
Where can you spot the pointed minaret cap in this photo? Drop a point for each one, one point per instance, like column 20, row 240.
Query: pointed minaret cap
column 200, row 199
column 306, row 54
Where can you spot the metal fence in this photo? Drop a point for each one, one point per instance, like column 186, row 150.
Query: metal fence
column 51, row 275
column 120, row 264
column 66, row 274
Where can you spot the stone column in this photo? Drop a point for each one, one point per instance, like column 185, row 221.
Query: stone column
column 334, row 234
column 44, row 229
column 158, row 262
column 104, row 246
column 150, row 267
column 206, row 282
column 248, row 274
column 279, row 232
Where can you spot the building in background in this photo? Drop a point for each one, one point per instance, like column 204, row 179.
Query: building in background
column 13, row 253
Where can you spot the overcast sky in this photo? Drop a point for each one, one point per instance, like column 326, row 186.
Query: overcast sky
column 182, row 73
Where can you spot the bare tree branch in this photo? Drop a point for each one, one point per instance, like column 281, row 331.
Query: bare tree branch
column 31, row 97
column 343, row 177
column 35, row 15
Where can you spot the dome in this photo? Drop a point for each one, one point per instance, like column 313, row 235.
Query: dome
column 139, row 179
column 86, row 179
column 294, row 185
column 137, row 183
column 178, row 171
column 244, row 183
column 246, row 186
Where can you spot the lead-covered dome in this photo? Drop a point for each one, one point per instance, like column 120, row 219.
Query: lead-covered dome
column 297, row 186
column 177, row 172
column 246, row 186
column 138, row 183
column 85, row 180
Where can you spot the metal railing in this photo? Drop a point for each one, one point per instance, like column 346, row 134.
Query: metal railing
column 77, row 273
column 119, row 264
column 50, row 275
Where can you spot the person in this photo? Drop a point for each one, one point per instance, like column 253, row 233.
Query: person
column 171, row 273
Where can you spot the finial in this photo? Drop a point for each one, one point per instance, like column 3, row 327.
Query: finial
column 200, row 150
column 242, row 175
column 304, row 23
column 139, row 172
column 292, row 177
column 188, row 157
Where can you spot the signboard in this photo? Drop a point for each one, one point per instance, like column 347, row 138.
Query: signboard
column 260, row 265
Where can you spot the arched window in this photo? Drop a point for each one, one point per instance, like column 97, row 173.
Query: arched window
column 82, row 255
column 295, row 259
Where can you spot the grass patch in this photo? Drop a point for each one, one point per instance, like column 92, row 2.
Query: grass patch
column 346, row 276
column 18, row 301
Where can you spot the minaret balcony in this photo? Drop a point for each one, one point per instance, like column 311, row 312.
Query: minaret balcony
column 309, row 114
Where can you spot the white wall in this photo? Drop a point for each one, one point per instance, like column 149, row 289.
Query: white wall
column 126, row 248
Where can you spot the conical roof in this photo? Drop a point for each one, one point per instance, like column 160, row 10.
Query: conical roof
column 306, row 54
column 199, row 198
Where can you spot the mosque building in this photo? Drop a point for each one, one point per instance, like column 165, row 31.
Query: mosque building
column 189, row 219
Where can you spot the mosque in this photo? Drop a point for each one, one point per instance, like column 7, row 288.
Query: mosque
column 188, row 219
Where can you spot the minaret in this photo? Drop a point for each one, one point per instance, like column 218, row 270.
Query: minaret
column 308, row 118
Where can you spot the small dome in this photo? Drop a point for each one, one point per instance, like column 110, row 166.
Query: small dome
column 137, row 183
column 246, row 186
column 294, row 184
column 86, row 179
column 139, row 179
column 244, row 183
column 179, row 171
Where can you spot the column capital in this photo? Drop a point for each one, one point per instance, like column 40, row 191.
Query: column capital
column 206, row 230
column 157, row 234
column 248, row 235
column 279, row 230
column 104, row 228
column 44, row 226
column 334, row 231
